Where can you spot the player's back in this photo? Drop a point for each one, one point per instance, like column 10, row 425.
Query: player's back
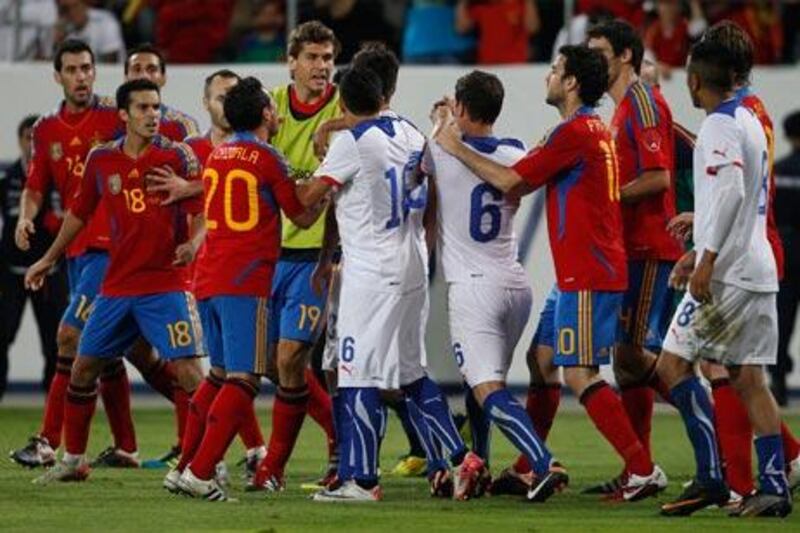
column 380, row 247
column 733, row 135
column 243, row 222
column 475, row 220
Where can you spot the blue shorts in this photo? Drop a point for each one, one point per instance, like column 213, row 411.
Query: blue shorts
column 85, row 274
column 647, row 306
column 295, row 311
column 582, row 326
column 168, row 321
column 235, row 331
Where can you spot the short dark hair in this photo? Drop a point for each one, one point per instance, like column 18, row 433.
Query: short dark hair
column 145, row 48
column 791, row 125
column 312, row 31
column 125, row 91
column 621, row 36
column 380, row 59
column 361, row 91
column 26, row 123
column 589, row 68
column 481, row 94
column 70, row 46
column 714, row 64
column 738, row 44
column 222, row 73
column 244, row 104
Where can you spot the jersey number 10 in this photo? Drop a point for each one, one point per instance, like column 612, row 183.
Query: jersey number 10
column 612, row 169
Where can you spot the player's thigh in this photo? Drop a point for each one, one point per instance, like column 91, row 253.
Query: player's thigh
column 243, row 325
column 586, row 327
column 110, row 329
column 171, row 323
column 86, row 276
column 647, row 304
column 301, row 308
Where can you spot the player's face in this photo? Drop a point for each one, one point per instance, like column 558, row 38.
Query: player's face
column 214, row 100
column 143, row 114
column 693, row 83
column 272, row 120
column 76, row 77
column 554, row 82
column 313, row 66
column 614, row 62
column 26, row 143
column 147, row 66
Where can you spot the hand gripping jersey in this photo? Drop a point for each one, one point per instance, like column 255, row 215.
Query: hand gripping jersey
column 144, row 233
column 732, row 136
column 245, row 187
column 374, row 166
column 643, row 132
column 475, row 220
column 578, row 163
column 294, row 141
column 61, row 142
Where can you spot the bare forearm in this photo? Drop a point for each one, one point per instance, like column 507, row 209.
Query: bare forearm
column 493, row 173
column 29, row 204
column 70, row 229
column 646, row 184
column 330, row 237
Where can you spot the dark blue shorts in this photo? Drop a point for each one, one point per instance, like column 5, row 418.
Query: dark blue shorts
column 85, row 274
column 647, row 306
column 295, row 311
column 235, row 330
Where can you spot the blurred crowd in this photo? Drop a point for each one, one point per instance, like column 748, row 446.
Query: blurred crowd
column 420, row 31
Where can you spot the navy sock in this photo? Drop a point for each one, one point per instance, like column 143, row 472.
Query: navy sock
column 368, row 414
column 428, row 398
column 771, row 465
column 479, row 425
column 692, row 401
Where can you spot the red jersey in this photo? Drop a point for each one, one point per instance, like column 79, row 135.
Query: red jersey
column 246, row 186
column 643, row 133
column 671, row 48
column 752, row 102
column 176, row 125
column 503, row 36
column 578, row 163
column 201, row 145
column 61, row 142
column 144, row 233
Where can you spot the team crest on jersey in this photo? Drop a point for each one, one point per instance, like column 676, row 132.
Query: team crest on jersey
column 114, row 184
column 651, row 140
column 56, row 151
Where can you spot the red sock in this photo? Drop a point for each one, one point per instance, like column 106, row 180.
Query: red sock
column 53, row 416
column 115, row 390
column 320, row 408
column 638, row 403
column 606, row 411
column 791, row 448
column 735, row 436
column 541, row 405
column 196, row 418
column 182, row 399
column 161, row 377
column 288, row 413
column 224, row 418
column 250, row 430
column 78, row 412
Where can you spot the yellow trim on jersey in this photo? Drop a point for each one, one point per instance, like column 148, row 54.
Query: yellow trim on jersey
column 260, row 355
column 644, row 105
column 194, row 318
column 645, row 301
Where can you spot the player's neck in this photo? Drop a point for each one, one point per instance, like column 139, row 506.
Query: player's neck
column 73, row 109
column 134, row 145
column 712, row 100
column 218, row 135
column 476, row 129
column 625, row 79
column 569, row 107
column 307, row 96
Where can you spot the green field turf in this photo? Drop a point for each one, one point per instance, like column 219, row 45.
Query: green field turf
column 133, row 500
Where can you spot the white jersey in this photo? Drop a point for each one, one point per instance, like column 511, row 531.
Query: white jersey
column 733, row 136
column 374, row 167
column 475, row 220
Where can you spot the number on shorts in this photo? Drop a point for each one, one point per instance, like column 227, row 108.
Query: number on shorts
column 685, row 316
column 348, row 349
column 309, row 313
column 566, row 341
column 84, row 308
column 458, row 353
column 179, row 336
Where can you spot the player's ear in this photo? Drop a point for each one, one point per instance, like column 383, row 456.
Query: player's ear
column 627, row 56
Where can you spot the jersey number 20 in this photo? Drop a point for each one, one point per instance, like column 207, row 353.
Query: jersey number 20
column 251, row 190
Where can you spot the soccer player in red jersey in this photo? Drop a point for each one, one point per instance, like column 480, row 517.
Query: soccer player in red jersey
column 246, row 187
column 643, row 133
column 61, row 142
column 144, row 291
column 578, row 163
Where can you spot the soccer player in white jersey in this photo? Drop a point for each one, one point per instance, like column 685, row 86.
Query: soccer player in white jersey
column 729, row 312
column 488, row 295
column 373, row 166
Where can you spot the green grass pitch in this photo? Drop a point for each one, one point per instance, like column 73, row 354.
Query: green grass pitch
column 115, row 500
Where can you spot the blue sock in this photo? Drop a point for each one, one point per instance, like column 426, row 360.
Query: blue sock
column 363, row 406
column 344, row 426
column 415, row 447
column 479, row 425
column 422, row 431
column 428, row 398
column 771, row 465
column 692, row 401
column 514, row 422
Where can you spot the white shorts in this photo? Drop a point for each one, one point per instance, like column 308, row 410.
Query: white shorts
column 486, row 322
column 379, row 337
column 330, row 359
column 738, row 327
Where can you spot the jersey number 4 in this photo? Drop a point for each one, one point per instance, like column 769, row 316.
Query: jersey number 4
column 250, row 183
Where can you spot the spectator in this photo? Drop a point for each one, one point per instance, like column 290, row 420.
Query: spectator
column 504, row 28
column 192, row 31
column 266, row 40
column 787, row 215
column 574, row 31
column 430, row 36
column 759, row 18
column 670, row 35
column 49, row 303
column 355, row 22
column 631, row 11
column 37, row 18
column 96, row 27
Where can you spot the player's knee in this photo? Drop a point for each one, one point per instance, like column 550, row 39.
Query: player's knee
column 579, row 378
column 67, row 339
column 188, row 373
column 85, row 371
column 291, row 360
column 747, row 379
column 713, row 371
column 217, row 373
column 141, row 356
column 673, row 369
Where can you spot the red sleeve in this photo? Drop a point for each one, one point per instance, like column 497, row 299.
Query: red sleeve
column 38, row 171
column 650, row 133
column 189, row 167
column 283, row 189
column 87, row 196
column 556, row 153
